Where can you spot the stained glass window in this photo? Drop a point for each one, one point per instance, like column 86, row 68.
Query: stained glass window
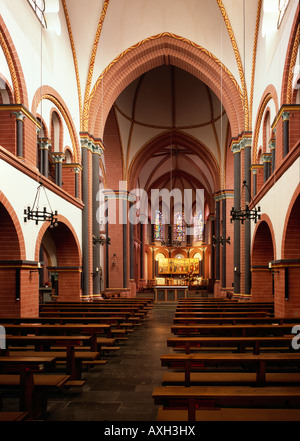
column 158, row 226
column 198, row 226
column 179, row 226
column 39, row 8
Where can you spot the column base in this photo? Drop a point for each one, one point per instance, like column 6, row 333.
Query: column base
column 132, row 288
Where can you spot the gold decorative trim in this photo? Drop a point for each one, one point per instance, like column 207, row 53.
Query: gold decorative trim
column 292, row 65
column 91, row 66
column 67, row 121
column 141, row 43
column 284, row 108
column 254, row 60
column 74, row 57
column 11, row 68
column 21, row 108
column 257, row 128
column 238, row 61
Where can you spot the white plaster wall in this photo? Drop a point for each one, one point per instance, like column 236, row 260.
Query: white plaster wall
column 276, row 203
column 20, row 191
column 271, row 53
column 57, row 66
column 128, row 22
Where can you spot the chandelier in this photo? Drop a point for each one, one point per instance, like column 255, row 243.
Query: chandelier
column 43, row 215
column 245, row 214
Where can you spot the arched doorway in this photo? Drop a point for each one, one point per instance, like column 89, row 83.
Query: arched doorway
column 10, row 265
column 289, row 295
column 61, row 264
column 262, row 255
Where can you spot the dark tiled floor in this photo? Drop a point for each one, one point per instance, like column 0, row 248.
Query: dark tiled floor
column 122, row 389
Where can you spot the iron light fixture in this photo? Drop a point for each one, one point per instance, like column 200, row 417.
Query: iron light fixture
column 245, row 214
column 38, row 215
column 220, row 240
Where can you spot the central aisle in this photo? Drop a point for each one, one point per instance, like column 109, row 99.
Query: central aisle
column 122, row 389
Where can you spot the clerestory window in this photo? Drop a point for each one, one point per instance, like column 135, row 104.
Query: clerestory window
column 39, row 8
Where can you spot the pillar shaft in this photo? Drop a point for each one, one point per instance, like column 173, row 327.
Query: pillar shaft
column 85, row 223
column 237, row 226
column 96, row 229
column 285, row 117
column 247, row 178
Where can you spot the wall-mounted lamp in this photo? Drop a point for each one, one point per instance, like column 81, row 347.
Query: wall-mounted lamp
column 96, row 271
column 114, row 261
column 271, row 268
column 38, row 267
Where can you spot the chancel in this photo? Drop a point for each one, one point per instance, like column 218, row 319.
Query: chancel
column 149, row 185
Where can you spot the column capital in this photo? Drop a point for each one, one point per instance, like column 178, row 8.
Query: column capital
column 272, row 144
column 77, row 169
column 94, row 145
column 285, row 116
column 246, row 142
column 19, row 115
column 44, row 143
column 58, row 157
column 266, row 157
column 223, row 194
column 236, row 147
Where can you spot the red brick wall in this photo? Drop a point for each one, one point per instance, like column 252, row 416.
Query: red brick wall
column 29, row 299
column 113, row 162
column 262, row 254
column 68, row 179
column 8, row 135
column 30, row 142
column 292, row 237
column 291, row 259
column 8, row 303
column 294, row 127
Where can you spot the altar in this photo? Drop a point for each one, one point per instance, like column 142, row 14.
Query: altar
column 169, row 293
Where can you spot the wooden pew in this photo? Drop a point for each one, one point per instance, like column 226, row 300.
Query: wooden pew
column 238, row 343
column 13, row 416
column 36, row 395
column 231, row 314
column 230, row 414
column 233, row 330
column 229, row 396
column 224, row 308
column 255, row 363
column 112, row 318
column 44, row 343
column 73, row 368
column 232, row 320
column 25, row 366
column 57, row 329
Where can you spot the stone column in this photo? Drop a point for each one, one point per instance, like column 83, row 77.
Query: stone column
column 217, row 235
column 96, row 153
column 131, row 248
column 224, row 232
column 237, row 206
column 247, row 179
column 254, row 184
column 85, row 218
column 44, row 147
column 266, row 159
column 142, row 255
column 20, row 132
column 58, row 158
column 106, row 244
column 77, row 170
column 285, row 119
column 272, row 145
